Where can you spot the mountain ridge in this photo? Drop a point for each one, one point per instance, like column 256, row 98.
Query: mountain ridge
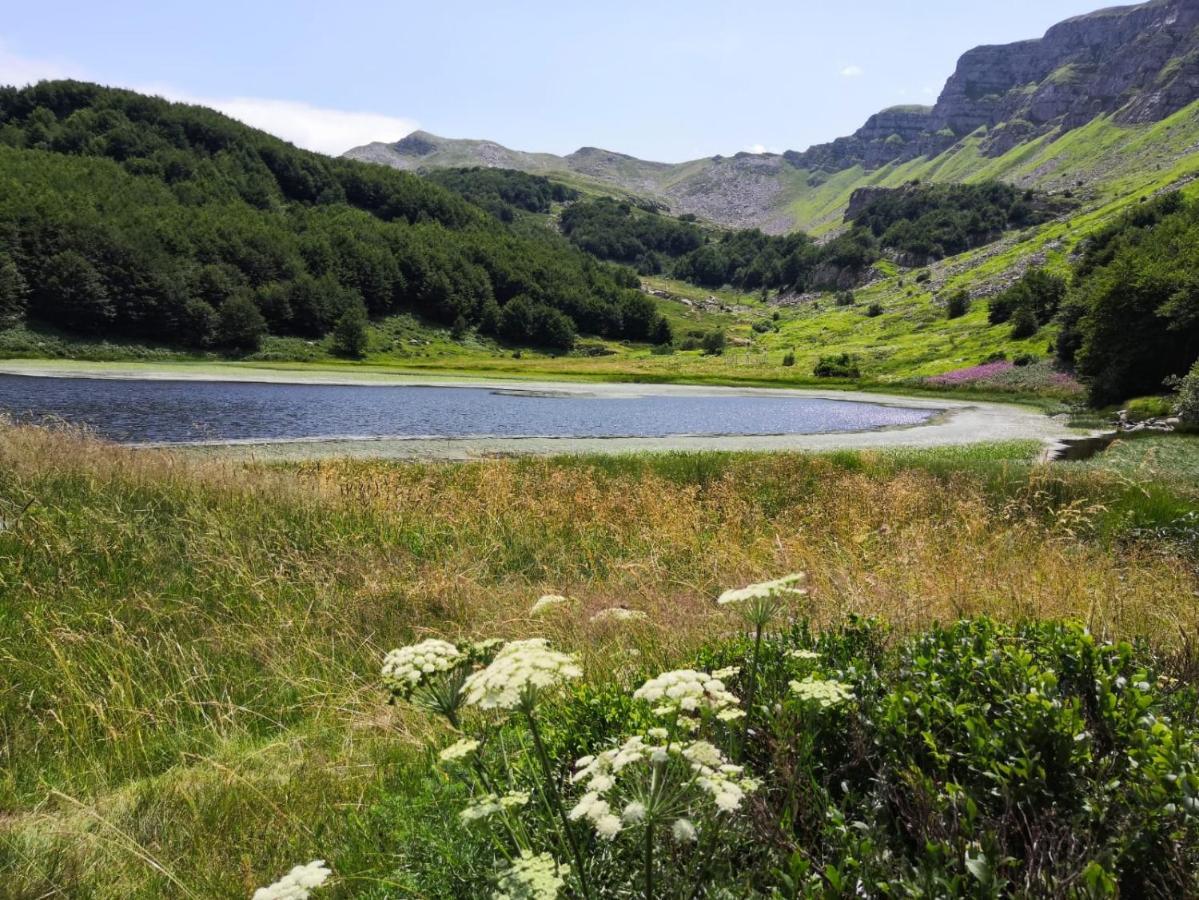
column 1127, row 65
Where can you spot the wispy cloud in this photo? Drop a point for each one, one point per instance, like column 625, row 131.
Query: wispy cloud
column 318, row 128
column 331, row 131
column 853, row 72
column 761, row 148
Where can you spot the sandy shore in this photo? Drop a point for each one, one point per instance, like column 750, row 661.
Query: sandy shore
column 955, row 422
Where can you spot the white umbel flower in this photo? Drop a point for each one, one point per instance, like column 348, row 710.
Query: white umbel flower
column 459, row 751
column 546, row 602
column 806, row 655
column 686, row 692
column 765, row 590
column 519, row 673
column 618, row 614
column 532, row 878
column 683, row 831
column 296, row 884
column 406, row 669
column 823, row 692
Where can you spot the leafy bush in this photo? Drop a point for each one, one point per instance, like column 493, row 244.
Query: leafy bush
column 789, row 359
column 1188, row 399
column 845, row 298
column 714, row 342
column 974, row 760
column 841, row 366
column 874, row 310
column 957, row 304
column 1024, row 323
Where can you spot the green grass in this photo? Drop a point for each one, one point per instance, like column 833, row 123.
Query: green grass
column 192, row 646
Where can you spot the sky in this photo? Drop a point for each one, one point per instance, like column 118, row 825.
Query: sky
column 658, row 79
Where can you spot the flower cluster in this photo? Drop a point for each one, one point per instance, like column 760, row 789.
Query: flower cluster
column 657, row 782
column 459, row 751
column 488, row 806
column 765, row 590
column 549, row 601
column 618, row 614
column 687, row 693
column 296, row 884
column 532, row 877
column 519, row 672
column 806, row 655
column 823, row 692
column 408, row 668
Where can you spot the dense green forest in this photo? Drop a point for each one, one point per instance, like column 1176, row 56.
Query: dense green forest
column 917, row 223
column 1130, row 322
column 125, row 214
column 925, row 222
column 503, row 192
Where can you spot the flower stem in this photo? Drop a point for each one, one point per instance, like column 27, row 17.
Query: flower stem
column 649, row 862
column 752, row 689
column 556, row 799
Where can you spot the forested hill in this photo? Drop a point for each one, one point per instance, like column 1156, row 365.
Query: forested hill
column 126, row 214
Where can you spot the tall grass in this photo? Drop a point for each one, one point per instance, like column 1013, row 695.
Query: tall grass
column 189, row 649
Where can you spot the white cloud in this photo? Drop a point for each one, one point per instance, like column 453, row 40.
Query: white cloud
column 853, row 72
column 332, row 131
column 761, row 148
column 20, row 71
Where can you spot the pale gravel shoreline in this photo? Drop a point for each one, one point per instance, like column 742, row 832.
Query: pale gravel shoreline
column 956, row 423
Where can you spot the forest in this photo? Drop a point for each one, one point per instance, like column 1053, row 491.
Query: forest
column 123, row 214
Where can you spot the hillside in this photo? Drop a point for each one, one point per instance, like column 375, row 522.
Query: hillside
column 1067, row 111
column 123, row 215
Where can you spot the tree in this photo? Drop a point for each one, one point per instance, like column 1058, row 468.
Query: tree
column 957, row 305
column 199, row 321
column 240, row 326
column 1024, row 322
column 70, row 293
column 14, row 292
column 349, row 334
column 663, row 333
column 714, row 343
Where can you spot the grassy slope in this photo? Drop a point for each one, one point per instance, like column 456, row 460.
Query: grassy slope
column 193, row 646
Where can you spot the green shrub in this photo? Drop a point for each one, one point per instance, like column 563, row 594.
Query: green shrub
column 789, row 359
column 874, row 310
column 714, row 342
column 1188, row 399
column 974, row 760
column 957, row 304
column 1024, row 323
column 846, row 298
column 841, row 366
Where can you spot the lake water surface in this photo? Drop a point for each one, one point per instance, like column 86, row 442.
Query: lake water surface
column 188, row 411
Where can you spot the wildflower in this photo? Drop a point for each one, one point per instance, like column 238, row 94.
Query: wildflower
column 824, row 693
column 519, row 672
column 547, row 601
column 727, row 673
column 531, row 878
column 807, row 655
column 687, row 692
column 764, row 590
column 683, row 831
column 658, row 734
column 408, row 668
column 296, row 884
column 483, row 808
column 459, row 751
column 634, row 812
column 618, row 614
column 514, row 799
column 608, row 827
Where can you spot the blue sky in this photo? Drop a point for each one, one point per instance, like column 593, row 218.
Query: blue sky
column 657, row 78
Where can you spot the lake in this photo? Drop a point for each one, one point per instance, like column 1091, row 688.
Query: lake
column 159, row 411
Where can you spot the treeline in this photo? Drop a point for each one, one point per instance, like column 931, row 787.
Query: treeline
column 746, row 259
column 122, row 214
column 1131, row 319
column 1129, row 312
column 926, row 222
column 503, row 192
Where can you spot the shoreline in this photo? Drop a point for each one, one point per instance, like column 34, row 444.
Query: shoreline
column 955, row 422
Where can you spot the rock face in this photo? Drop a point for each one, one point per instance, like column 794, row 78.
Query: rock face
column 1136, row 63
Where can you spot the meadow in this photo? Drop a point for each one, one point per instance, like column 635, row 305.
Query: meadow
column 191, row 649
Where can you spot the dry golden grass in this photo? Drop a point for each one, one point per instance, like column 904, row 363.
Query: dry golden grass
column 189, row 648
